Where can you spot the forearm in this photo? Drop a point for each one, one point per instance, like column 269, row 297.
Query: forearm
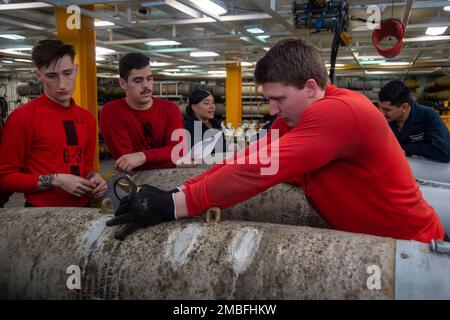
column 427, row 150
column 19, row 182
column 159, row 155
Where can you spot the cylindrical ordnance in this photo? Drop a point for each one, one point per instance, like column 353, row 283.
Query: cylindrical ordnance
column 430, row 170
column 283, row 203
column 69, row 253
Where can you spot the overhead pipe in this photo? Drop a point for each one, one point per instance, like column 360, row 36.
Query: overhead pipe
column 69, row 253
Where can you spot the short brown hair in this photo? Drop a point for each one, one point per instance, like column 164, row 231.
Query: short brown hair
column 292, row 62
column 48, row 51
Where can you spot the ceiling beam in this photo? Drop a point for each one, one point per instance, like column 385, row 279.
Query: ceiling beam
column 275, row 16
column 22, row 24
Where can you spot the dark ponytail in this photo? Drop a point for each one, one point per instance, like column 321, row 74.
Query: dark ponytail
column 189, row 110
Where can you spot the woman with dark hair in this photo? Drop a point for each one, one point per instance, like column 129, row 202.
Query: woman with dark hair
column 200, row 112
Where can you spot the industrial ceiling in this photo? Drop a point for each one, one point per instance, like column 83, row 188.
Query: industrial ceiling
column 132, row 24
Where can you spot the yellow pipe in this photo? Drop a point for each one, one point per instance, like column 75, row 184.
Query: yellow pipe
column 234, row 94
column 83, row 40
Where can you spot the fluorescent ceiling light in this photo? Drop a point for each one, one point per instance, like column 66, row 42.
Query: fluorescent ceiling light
column 160, row 64
column 210, row 6
column 23, row 60
column 188, row 67
column 372, row 61
column 97, row 58
column 446, row 8
column 101, row 23
column 162, row 42
column 394, row 63
column 171, row 70
column 101, row 50
column 183, row 8
column 203, row 54
column 18, row 49
column 435, row 31
column 266, row 48
column 6, row 61
column 246, row 64
column 24, row 5
column 12, row 36
column 255, row 30
column 262, row 38
column 336, row 65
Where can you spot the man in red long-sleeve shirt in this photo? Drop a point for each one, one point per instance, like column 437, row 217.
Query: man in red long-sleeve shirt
column 138, row 128
column 48, row 144
column 333, row 142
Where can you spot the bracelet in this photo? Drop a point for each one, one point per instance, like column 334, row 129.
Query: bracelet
column 45, row 181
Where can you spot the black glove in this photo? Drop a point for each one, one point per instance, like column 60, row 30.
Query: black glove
column 148, row 207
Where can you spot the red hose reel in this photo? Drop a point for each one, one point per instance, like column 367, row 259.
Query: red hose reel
column 389, row 28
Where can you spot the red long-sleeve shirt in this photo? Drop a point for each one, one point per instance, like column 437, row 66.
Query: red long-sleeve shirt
column 351, row 166
column 43, row 137
column 126, row 130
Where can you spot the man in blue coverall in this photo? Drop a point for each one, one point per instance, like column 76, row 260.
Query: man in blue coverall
column 419, row 129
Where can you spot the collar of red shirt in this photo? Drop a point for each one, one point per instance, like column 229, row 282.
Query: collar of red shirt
column 52, row 103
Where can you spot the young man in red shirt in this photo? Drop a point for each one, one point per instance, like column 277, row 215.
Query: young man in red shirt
column 333, row 142
column 138, row 128
column 48, row 144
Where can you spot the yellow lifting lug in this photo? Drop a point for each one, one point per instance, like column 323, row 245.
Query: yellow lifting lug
column 107, row 206
column 213, row 211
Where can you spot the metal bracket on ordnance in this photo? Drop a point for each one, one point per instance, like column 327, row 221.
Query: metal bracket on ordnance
column 213, row 211
column 440, row 246
column 127, row 184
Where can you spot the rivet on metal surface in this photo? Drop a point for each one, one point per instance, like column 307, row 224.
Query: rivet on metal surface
column 213, row 211
column 107, row 206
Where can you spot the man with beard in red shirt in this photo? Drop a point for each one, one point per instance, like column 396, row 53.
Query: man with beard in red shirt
column 138, row 128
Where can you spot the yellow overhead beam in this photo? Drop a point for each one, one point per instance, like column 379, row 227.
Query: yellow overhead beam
column 233, row 90
column 82, row 37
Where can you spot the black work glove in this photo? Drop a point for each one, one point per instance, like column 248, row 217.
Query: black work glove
column 148, row 207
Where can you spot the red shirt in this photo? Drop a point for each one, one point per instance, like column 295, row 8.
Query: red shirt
column 351, row 166
column 43, row 137
column 127, row 130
